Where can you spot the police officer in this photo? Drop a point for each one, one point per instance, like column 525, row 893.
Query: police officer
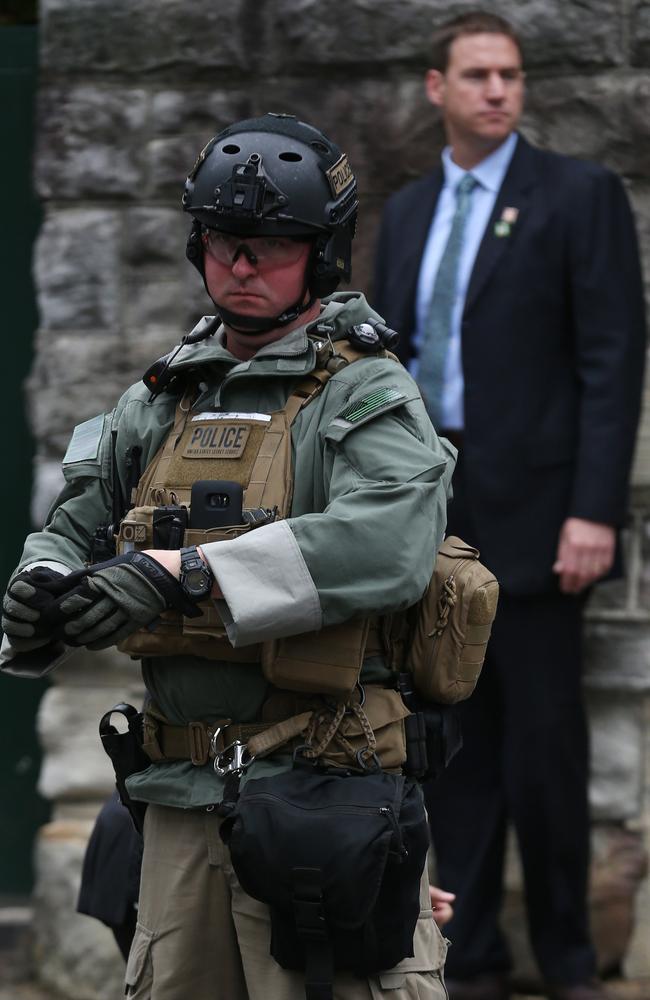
column 288, row 397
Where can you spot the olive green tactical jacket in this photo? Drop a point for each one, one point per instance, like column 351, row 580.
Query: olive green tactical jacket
column 368, row 515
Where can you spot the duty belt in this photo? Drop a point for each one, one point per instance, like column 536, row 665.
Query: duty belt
column 194, row 741
column 199, row 742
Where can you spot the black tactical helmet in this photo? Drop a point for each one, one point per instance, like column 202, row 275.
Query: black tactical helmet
column 277, row 176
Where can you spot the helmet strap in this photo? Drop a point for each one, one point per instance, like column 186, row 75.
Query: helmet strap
column 241, row 323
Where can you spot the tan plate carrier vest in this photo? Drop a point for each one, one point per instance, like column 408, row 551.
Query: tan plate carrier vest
column 441, row 640
column 256, row 453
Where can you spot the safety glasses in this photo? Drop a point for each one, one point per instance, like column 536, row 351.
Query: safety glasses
column 261, row 251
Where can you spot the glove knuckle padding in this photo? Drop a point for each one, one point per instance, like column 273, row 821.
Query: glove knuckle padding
column 17, row 628
column 74, row 603
column 107, row 627
column 23, row 590
column 92, row 616
column 17, row 611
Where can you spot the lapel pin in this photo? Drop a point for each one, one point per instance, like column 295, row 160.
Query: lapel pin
column 508, row 218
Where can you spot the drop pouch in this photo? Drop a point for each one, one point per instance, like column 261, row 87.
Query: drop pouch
column 337, row 856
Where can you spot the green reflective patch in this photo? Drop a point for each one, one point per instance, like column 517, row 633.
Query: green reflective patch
column 375, row 401
column 85, row 441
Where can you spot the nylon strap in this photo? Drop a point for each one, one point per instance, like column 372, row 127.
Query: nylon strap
column 273, row 737
column 193, row 741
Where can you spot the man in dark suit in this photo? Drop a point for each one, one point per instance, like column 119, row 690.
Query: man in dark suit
column 513, row 275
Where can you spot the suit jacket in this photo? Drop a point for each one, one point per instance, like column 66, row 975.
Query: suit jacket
column 553, row 346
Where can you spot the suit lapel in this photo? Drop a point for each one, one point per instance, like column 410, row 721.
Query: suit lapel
column 415, row 229
column 514, row 193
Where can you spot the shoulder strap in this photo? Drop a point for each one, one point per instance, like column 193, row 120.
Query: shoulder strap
column 328, row 363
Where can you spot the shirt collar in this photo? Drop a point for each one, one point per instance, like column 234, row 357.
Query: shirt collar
column 489, row 172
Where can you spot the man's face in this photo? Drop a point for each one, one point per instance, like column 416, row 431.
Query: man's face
column 264, row 288
column 481, row 92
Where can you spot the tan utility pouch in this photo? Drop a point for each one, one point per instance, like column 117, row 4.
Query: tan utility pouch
column 325, row 662
column 453, row 624
column 337, row 740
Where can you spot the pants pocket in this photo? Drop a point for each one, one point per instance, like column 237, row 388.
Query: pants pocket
column 138, row 978
column 408, row 986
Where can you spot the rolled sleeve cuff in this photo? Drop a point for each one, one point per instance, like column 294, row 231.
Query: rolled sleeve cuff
column 50, row 564
column 42, row 660
column 268, row 591
column 34, row 663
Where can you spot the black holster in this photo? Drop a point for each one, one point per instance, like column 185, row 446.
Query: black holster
column 127, row 755
column 433, row 733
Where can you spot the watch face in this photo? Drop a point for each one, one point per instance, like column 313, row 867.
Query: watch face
column 196, row 578
column 196, row 581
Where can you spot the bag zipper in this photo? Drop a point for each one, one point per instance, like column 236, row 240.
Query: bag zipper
column 402, row 850
column 385, row 811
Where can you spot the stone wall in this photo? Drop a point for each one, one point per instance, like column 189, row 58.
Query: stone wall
column 129, row 93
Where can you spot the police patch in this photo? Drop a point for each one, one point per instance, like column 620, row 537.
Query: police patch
column 217, row 440
column 363, row 408
column 340, row 175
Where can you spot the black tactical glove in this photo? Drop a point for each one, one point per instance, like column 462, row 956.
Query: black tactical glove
column 116, row 598
column 30, row 598
column 95, row 607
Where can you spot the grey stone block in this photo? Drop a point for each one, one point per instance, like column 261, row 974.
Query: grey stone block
column 170, row 36
column 155, row 302
column 640, row 33
column 356, row 32
column 74, row 954
column 154, row 236
column 75, row 376
column 76, row 270
column 170, row 160
column 617, row 656
column 364, row 246
column 115, row 675
column 48, row 483
column 75, row 765
column 616, row 723
column 89, row 141
column 201, row 110
column 603, row 118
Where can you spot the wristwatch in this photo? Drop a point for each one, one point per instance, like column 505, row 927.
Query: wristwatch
column 196, row 577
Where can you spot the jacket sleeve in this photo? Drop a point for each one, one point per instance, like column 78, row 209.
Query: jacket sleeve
column 610, row 343
column 64, row 543
column 371, row 549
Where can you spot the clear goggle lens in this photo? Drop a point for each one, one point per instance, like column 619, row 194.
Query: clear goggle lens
column 270, row 251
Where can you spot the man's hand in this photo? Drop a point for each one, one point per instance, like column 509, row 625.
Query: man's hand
column 26, row 608
column 441, row 902
column 585, row 553
column 119, row 596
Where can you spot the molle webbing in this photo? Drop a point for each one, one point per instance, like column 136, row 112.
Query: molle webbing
column 256, row 453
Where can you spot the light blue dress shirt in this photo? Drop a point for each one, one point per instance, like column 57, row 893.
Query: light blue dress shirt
column 489, row 173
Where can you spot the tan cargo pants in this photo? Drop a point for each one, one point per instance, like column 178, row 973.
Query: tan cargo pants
column 199, row 935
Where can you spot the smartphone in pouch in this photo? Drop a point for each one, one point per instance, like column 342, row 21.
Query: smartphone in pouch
column 216, row 503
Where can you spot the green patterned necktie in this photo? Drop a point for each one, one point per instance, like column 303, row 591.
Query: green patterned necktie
column 437, row 327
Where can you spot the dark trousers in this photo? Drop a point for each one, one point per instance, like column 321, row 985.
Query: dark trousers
column 524, row 759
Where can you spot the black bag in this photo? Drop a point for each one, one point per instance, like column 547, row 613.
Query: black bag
column 338, row 858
